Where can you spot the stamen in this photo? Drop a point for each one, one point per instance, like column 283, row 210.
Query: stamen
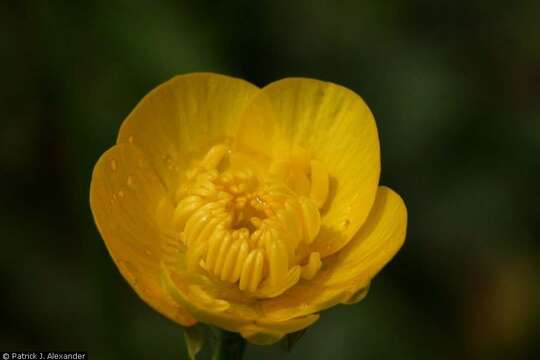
column 255, row 221
column 214, row 157
column 246, row 230
column 312, row 219
column 184, row 209
column 247, row 270
column 319, row 183
column 313, row 266
column 278, row 260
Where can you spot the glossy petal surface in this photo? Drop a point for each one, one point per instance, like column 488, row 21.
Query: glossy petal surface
column 183, row 116
column 124, row 195
column 159, row 194
column 298, row 119
column 351, row 270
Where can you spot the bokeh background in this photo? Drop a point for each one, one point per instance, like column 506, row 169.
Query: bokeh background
column 454, row 86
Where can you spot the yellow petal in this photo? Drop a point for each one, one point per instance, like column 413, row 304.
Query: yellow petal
column 266, row 332
column 124, row 196
column 376, row 243
column 334, row 126
column 195, row 293
column 199, row 295
column 184, row 117
column 345, row 274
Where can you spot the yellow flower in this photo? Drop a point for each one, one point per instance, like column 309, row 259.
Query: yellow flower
column 249, row 209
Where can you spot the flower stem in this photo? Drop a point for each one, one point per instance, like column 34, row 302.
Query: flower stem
column 230, row 346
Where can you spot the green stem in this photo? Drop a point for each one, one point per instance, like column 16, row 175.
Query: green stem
column 230, row 346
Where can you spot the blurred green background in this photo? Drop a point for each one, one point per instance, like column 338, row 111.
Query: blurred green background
column 455, row 89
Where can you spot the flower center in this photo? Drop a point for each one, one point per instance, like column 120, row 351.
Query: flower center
column 244, row 228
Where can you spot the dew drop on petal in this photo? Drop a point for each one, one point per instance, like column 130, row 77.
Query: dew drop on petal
column 129, row 181
column 113, row 165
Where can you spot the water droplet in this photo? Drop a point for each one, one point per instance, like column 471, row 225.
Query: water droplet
column 356, row 297
column 129, row 181
column 130, row 139
column 121, row 194
column 113, row 165
column 345, row 224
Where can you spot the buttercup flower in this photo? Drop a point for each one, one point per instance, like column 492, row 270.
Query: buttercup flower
column 249, row 209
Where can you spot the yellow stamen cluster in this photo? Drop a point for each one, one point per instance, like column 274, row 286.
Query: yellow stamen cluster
column 249, row 231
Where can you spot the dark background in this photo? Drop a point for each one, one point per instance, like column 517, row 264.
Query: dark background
column 455, row 89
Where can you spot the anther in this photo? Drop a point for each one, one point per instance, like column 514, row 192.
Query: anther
column 249, row 232
column 319, row 183
column 214, row 157
column 255, row 221
column 312, row 267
